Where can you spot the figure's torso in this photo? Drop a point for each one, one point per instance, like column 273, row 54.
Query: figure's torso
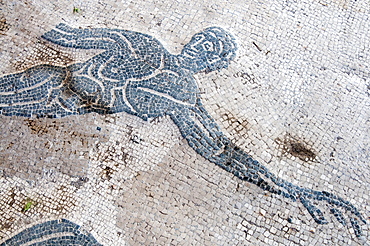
column 146, row 74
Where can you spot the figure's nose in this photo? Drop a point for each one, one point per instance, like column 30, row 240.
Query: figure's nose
column 197, row 47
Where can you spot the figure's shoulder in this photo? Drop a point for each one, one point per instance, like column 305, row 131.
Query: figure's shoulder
column 142, row 41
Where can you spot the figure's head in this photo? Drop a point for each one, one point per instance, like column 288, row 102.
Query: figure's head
column 211, row 49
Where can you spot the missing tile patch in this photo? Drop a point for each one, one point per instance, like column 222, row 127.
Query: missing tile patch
column 291, row 146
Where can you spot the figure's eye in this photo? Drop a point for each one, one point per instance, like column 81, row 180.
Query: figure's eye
column 208, row 46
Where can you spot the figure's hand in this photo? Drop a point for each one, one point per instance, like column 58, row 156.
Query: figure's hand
column 244, row 167
column 308, row 196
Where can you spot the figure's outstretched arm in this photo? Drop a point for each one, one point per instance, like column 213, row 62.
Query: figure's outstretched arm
column 94, row 38
column 206, row 138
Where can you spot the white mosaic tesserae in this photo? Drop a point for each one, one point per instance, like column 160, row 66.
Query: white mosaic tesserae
column 184, row 123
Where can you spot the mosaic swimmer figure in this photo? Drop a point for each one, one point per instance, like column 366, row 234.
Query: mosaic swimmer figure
column 137, row 75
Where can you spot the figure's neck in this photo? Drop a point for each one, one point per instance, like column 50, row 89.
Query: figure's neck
column 190, row 64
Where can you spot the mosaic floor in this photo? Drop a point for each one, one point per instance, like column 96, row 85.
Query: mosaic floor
column 184, row 123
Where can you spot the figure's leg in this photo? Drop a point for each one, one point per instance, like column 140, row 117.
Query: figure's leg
column 206, row 138
column 95, row 38
column 34, row 92
column 56, row 232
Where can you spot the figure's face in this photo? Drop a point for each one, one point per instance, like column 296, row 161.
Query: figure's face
column 199, row 44
column 212, row 49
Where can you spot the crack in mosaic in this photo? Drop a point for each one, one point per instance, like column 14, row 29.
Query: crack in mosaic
column 137, row 75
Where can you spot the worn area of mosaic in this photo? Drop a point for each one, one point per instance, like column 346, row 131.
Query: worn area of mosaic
column 177, row 123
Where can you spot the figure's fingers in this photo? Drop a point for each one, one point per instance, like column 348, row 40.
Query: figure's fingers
column 356, row 227
column 339, row 202
column 316, row 213
column 338, row 215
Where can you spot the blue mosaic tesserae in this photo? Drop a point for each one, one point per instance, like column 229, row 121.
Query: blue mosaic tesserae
column 135, row 74
column 52, row 233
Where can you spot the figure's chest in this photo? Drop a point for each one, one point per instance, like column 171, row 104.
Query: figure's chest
column 168, row 84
